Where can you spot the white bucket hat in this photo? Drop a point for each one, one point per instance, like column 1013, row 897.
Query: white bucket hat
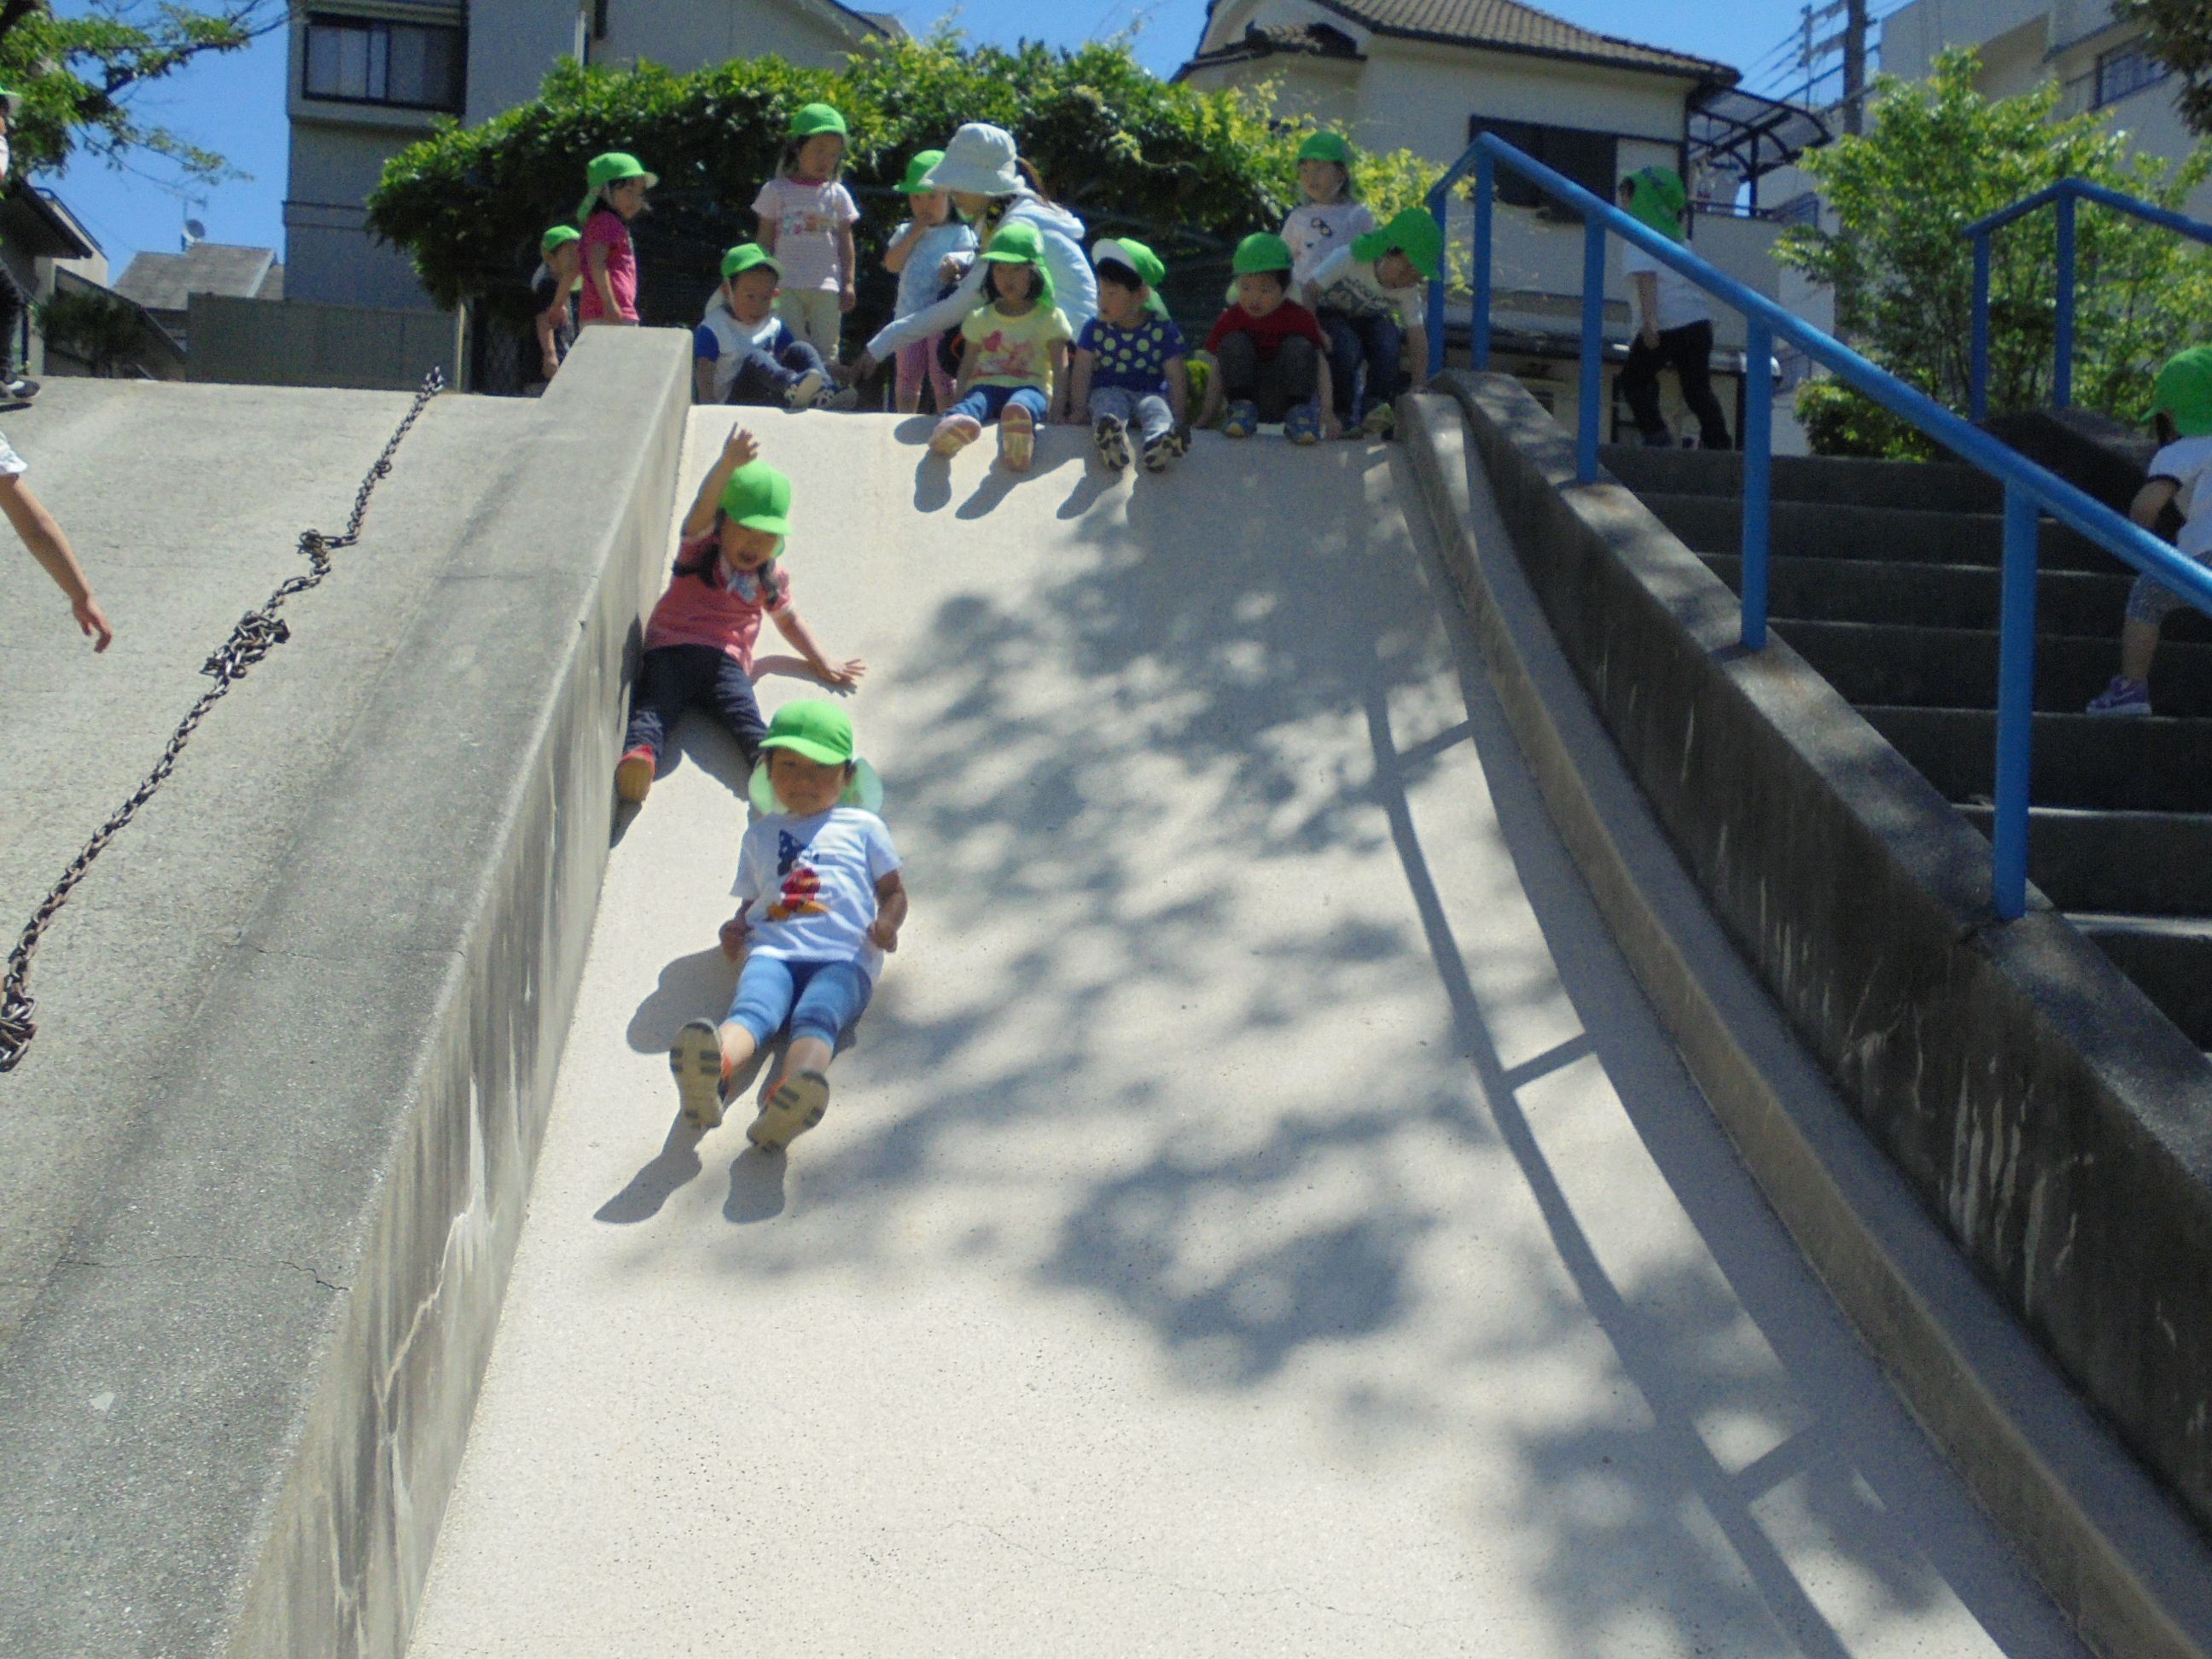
column 979, row 162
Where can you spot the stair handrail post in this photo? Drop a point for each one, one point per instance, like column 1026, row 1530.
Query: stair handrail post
column 1977, row 370
column 1486, row 194
column 1593, row 362
column 2062, row 370
column 2016, row 703
column 1758, row 477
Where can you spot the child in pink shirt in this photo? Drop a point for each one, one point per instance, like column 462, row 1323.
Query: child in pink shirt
column 617, row 184
column 699, row 641
column 806, row 219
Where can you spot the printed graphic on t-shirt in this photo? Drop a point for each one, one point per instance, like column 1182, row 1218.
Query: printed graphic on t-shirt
column 800, row 895
column 1012, row 357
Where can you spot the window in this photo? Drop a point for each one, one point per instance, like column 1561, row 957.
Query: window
column 1589, row 159
column 365, row 60
column 2125, row 69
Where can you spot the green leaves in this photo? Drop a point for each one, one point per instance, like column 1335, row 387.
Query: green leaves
column 2178, row 34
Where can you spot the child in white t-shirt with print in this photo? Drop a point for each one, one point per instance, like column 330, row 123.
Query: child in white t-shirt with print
column 806, row 219
column 934, row 233
column 2179, row 476
column 821, row 900
column 1373, row 304
column 1331, row 216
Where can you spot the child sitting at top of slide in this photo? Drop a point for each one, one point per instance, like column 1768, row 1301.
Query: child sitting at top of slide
column 1273, row 356
column 1332, row 215
column 1373, row 303
column 743, row 353
column 1129, row 361
column 820, row 901
column 1016, row 359
column 699, row 641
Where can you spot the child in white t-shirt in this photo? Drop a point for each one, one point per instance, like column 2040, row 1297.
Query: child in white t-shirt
column 2181, row 475
column 806, row 219
column 1674, row 328
column 1332, row 215
column 1373, row 304
column 820, row 902
column 743, row 353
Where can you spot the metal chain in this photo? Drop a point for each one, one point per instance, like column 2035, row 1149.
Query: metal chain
column 258, row 633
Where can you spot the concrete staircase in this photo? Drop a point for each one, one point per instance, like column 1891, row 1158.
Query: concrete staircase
column 1885, row 580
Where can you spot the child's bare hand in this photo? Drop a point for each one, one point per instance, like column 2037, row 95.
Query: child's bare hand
column 846, row 299
column 882, row 935
column 845, row 676
column 733, row 936
column 741, row 448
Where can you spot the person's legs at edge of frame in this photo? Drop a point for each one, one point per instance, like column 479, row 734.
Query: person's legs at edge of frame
column 1690, row 349
column 669, row 680
column 1112, row 408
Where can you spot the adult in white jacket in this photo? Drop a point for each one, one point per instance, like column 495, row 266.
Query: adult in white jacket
column 982, row 173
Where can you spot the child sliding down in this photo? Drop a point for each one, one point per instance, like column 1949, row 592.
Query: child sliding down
column 1017, row 358
column 820, row 902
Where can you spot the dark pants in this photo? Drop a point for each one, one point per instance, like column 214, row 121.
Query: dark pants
column 1376, row 341
column 12, row 304
column 673, row 677
column 763, row 376
column 1278, row 386
column 1688, row 351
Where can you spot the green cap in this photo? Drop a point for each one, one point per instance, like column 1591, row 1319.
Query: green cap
column 1132, row 255
column 12, row 99
column 610, row 168
column 1415, row 233
column 822, row 732
column 1657, row 198
column 1019, row 244
column 815, row 119
column 1262, row 251
column 2184, row 390
column 758, row 496
column 917, row 171
column 559, row 236
column 744, row 257
column 1325, row 147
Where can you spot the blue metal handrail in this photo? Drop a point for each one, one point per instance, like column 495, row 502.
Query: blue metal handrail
column 2063, row 194
column 2028, row 488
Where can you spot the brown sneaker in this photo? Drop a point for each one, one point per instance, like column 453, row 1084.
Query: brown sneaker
column 793, row 1106
column 695, row 1057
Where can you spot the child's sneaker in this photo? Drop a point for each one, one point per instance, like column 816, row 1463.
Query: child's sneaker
column 1160, row 452
column 1242, row 419
column 18, row 388
column 1179, row 440
column 1382, row 422
column 1016, row 440
column 695, row 1057
column 792, row 1106
column 2122, row 697
column 954, row 434
column 802, row 392
column 1301, row 425
column 1112, row 437
column 842, row 398
column 634, row 776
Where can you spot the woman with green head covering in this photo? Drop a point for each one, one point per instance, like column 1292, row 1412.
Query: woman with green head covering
column 2180, row 478
column 1675, row 324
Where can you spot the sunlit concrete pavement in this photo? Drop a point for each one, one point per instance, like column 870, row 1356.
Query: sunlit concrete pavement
column 1260, row 1214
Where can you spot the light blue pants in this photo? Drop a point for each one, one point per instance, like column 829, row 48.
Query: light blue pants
column 1147, row 411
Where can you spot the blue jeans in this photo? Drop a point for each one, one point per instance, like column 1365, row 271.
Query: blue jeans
column 1377, row 342
column 986, row 402
column 764, row 376
column 1146, row 410
column 819, row 999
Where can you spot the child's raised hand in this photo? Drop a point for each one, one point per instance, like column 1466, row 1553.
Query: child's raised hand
column 844, row 677
column 733, row 936
column 741, row 448
column 882, row 935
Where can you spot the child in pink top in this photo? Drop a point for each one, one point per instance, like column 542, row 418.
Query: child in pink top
column 699, row 641
column 806, row 219
column 617, row 186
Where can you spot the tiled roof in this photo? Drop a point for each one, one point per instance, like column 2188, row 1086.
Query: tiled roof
column 1298, row 40
column 1503, row 26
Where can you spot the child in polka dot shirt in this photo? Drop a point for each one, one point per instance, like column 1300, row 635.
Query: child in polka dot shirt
column 1129, row 364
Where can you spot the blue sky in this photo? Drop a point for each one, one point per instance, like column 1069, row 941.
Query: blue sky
column 235, row 104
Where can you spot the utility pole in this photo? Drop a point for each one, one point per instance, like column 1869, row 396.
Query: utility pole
column 1855, row 55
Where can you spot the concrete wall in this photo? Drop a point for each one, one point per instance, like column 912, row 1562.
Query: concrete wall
column 512, row 43
column 688, row 37
column 255, row 341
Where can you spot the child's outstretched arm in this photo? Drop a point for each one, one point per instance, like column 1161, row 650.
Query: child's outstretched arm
column 843, row 676
column 890, row 913
column 740, row 449
column 1178, row 373
column 50, row 545
column 1079, row 388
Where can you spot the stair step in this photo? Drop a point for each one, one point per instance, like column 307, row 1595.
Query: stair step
column 1957, row 667
column 2068, row 602
column 1714, row 524
column 2170, row 958
column 2142, row 863
column 1944, row 484
column 2153, row 765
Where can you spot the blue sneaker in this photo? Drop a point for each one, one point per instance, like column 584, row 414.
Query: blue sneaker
column 1242, row 421
column 1302, row 425
column 2122, row 697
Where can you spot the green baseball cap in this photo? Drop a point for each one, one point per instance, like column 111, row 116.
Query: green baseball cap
column 1262, row 252
column 815, row 119
column 1017, row 243
column 1415, row 233
column 744, row 256
column 917, row 172
column 1325, row 147
column 1132, row 255
column 758, row 496
column 559, row 236
column 613, row 168
column 1656, row 197
column 822, row 732
column 2184, row 390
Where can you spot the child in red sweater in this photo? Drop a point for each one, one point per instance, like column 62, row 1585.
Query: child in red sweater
column 1273, row 357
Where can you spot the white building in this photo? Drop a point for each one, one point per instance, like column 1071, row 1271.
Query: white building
column 367, row 77
column 2098, row 60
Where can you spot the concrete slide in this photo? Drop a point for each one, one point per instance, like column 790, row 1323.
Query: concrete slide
column 1260, row 1214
